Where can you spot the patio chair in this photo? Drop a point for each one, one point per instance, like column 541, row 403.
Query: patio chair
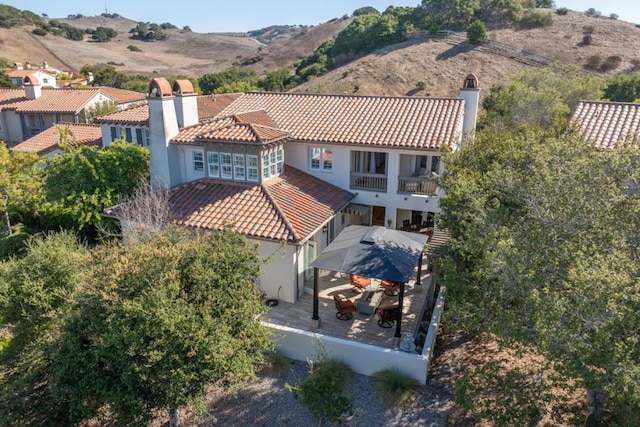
column 344, row 306
column 390, row 287
column 387, row 315
column 359, row 283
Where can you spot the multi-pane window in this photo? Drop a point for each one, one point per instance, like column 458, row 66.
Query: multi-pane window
column 139, row 135
column 238, row 166
column 252, row 168
column 280, row 160
column 114, row 133
column 213, row 160
column 128, row 135
column 198, row 161
column 272, row 163
column 146, row 137
column 265, row 166
column 320, row 159
column 226, row 170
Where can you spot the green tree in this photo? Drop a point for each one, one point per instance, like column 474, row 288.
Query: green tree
column 540, row 97
column 164, row 317
column 235, row 87
column 276, row 80
column 82, row 181
column 539, row 255
column 212, row 81
column 37, row 292
column 193, row 80
column 100, row 109
column 450, row 13
column 476, row 32
column 104, row 34
column 623, row 87
column 365, row 11
column 20, row 188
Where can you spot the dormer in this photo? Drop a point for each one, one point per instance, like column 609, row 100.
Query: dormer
column 186, row 103
column 32, row 89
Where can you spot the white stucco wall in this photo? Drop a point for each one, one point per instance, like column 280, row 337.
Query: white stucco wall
column 278, row 270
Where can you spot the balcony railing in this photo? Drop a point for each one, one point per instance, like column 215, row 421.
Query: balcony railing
column 368, row 181
column 417, row 185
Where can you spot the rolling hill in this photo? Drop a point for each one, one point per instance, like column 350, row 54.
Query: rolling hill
column 421, row 66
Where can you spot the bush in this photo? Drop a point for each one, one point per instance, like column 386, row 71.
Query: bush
column 594, row 62
column 476, row 32
column 422, row 85
column 322, row 392
column 394, row 387
column 635, row 64
column 14, row 243
column 40, row 32
column 592, row 12
column 133, row 48
column 562, row 11
column 611, row 63
column 538, row 18
column 613, row 16
column 588, row 29
column 587, row 39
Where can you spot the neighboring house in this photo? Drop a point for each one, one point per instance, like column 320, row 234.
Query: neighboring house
column 46, row 78
column 132, row 123
column 607, row 123
column 46, row 143
column 292, row 170
column 27, row 111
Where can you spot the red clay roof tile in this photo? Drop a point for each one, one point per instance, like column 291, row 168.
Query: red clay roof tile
column 49, row 138
column 606, row 123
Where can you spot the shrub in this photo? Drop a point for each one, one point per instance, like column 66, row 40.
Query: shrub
column 14, row 243
column 594, row 62
column 322, row 392
column 538, row 18
column 394, row 387
column 635, row 64
column 421, row 85
column 587, row 39
column 592, row 12
column 274, row 364
column 588, row 29
column 611, row 63
column 562, row 11
column 613, row 16
column 133, row 48
column 476, row 32
column 40, row 32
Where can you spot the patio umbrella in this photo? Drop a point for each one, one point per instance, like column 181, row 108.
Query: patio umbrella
column 375, row 252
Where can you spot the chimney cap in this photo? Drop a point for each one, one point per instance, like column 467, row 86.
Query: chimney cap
column 471, row 82
column 183, row 87
column 159, row 87
column 31, row 80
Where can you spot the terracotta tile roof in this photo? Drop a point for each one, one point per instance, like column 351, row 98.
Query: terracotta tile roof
column 8, row 96
column 247, row 127
column 425, row 123
column 49, row 138
column 212, row 105
column 51, row 101
column 208, row 106
column 122, row 96
column 132, row 115
column 605, row 123
column 290, row 207
column 25, row 73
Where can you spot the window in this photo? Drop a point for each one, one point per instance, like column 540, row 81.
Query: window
column 320, row 159
column 146, row 137
column 272, row 163
column 252, row 168
column 128, row 136
column 139, row 136
column 213, row 160
column 279, row 160
column 238, row 166
column 114, row 133
column 265, row 166
column 45, row 80
column 225, row 166
column 198, row 161
column 57, row 118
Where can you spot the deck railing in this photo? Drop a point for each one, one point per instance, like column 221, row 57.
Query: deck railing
column 368, row 181
column 417, row 185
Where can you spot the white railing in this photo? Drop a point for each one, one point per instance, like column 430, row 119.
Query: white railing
column 417, row 185
column 368, row 181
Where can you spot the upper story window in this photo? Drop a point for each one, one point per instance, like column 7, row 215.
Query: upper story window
column 252, row 168
column 128, row 135
column 238, row 166
column 213, row 160
column 116, row 133
column 320, row 159
column 272, row 163
column 369, row 162
column 226, row 170
column 198, row 161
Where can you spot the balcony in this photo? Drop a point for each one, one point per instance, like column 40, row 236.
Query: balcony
column 368, row 181
column 417, row 185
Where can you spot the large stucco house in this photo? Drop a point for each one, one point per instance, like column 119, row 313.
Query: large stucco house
column 291, row 171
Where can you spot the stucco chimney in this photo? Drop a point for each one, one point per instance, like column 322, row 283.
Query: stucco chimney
column 186, row 101
column 32, row 89
column 163, row 126
column 470, row 92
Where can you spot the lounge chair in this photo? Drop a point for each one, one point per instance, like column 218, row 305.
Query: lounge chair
column 387, row 315
column 344, row 306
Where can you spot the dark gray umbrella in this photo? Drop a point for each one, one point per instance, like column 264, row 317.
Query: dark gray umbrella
column 375, row 252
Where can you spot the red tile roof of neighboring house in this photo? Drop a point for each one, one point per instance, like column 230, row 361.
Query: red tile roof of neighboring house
column 24, row 73
column 138, row 114
column 123, row 96
column 50, row 101
column 606, row 123
column 404, row 122
column 49, row 138
column 249, row 127
column 290, row 207
column 212, row 105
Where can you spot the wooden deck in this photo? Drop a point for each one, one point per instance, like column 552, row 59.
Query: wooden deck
column 361, row 328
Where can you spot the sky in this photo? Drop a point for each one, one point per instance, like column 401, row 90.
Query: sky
column 244, row 15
